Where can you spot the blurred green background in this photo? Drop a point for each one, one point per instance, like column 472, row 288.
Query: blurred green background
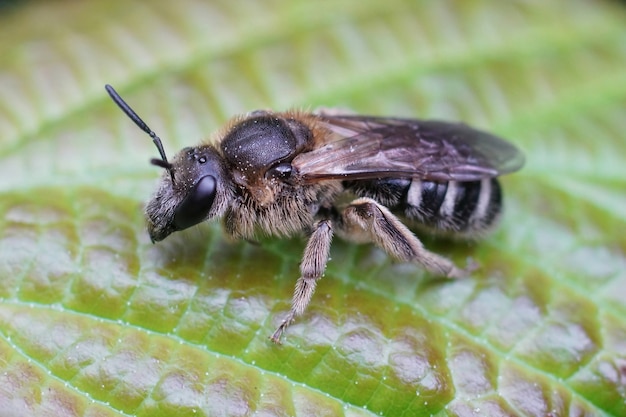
column 97, row 321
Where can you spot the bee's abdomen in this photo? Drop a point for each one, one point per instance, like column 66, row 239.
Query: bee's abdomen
column 453, row 207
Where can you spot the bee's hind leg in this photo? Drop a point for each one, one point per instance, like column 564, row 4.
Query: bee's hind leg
column 366, row 220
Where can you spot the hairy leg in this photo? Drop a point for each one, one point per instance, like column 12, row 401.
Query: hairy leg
column 363, row 220
column 371, row 221
column 311, row 269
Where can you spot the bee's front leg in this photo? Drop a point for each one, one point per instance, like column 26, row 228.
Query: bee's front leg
column 367, row 220
column 311, row 269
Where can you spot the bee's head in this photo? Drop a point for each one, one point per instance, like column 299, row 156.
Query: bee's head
column 194, row 188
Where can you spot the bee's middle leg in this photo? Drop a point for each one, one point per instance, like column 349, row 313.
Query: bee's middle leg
column 365, row 219
column 312, row 268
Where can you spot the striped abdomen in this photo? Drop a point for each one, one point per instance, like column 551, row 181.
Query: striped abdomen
column 453, row 207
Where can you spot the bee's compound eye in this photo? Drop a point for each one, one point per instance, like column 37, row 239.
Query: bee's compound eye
column 197, row 204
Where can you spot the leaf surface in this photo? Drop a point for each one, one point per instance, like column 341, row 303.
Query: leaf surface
column 97, row 321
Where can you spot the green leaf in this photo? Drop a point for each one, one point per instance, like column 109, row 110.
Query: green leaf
column 97, row 321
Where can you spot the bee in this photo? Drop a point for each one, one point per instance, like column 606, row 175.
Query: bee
column 326, row 173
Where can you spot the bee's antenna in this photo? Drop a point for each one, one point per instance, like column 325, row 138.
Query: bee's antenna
column 143, row 126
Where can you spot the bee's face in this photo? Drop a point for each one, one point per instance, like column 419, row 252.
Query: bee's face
column 199, row 191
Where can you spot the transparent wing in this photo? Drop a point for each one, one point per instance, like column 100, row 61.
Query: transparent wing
column 364, row 147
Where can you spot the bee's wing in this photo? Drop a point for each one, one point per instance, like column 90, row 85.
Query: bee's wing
column 364, row 147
